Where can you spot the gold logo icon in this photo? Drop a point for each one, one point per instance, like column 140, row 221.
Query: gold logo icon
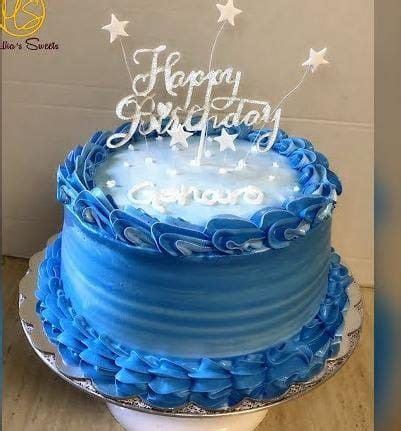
column 22, row 18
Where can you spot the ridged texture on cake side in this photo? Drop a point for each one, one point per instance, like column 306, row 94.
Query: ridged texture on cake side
column 193, row 306
column 168, row 382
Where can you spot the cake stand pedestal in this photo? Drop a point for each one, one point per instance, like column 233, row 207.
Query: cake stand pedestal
column 137, row 421
column 134, row 415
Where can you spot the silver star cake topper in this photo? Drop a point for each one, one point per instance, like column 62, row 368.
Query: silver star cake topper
column 228, row 12
column 316, row 59
column 116, row 28
column 226, row 140
column 181, row 122
column 179, row 136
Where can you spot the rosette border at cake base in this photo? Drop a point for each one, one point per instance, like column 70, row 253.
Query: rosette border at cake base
column 120, row 407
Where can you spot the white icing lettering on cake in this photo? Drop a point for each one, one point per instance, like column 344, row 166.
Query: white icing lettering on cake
column 146, row 193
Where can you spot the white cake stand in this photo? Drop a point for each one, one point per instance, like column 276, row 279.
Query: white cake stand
column 134, row 415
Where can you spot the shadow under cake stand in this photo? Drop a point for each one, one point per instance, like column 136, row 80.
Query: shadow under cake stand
column 135, row 415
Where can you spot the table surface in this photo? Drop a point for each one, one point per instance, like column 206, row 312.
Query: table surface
column 35, row 399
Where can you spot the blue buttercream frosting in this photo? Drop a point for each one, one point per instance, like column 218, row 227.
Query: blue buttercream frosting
column 175, row 311
column 195, row 306
column 225, row 234
column 169, row 381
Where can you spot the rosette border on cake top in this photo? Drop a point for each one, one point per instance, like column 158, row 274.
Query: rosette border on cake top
column 267, row 228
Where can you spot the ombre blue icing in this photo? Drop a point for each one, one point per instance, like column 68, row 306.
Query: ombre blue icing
column 225, row 234
column 166, row 381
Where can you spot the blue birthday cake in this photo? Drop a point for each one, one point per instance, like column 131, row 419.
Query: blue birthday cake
column 209, row 308
column 195, row 261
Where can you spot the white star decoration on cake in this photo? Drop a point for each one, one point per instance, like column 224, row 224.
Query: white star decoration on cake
column 226, row 141
column 116, row 28
column 160, row 120
column 228, row 12
column 316, row 59
column 179, row 136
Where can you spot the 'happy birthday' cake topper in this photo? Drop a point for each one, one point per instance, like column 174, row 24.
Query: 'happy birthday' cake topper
column 182, row 121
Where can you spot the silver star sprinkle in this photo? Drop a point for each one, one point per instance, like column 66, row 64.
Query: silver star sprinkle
column 110, row 184
column 172, row 172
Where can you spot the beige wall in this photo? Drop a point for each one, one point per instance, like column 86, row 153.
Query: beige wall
column 55, row 100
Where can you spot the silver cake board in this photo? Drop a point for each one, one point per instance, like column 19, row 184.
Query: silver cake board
column 49, row 354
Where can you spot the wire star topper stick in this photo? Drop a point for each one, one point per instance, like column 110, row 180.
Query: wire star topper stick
column 116, row 29
column 227, row 15
column 148, row 116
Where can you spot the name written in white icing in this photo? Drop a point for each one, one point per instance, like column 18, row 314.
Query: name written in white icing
column 146, row 193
